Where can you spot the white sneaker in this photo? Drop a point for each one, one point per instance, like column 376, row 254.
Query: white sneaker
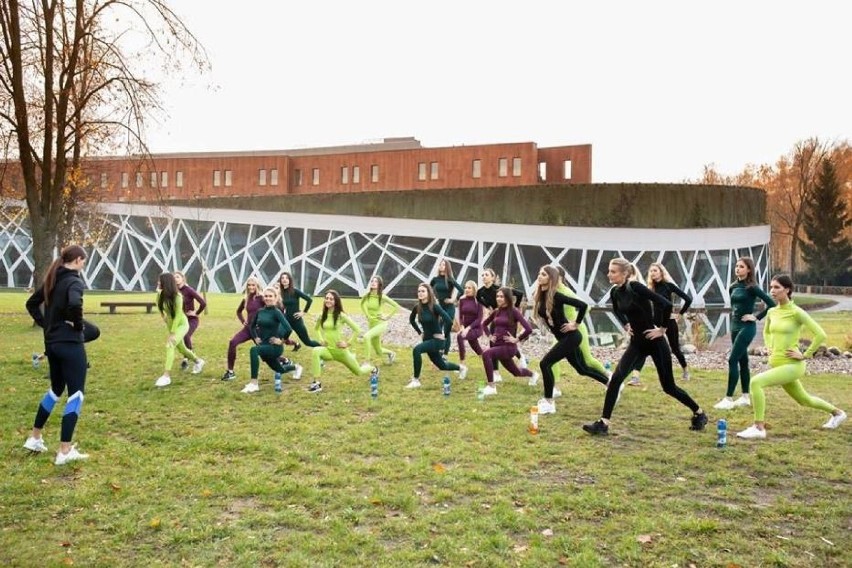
column 545, row 407
column 489, row 390
column 533, row 380
column 250, row 388
column 391, row 357
column 35, row 445
column 72, row 455
column 726, row 403
column 497, row 378
column 413, row 384
column 199, row 365
column 833, row 422
column 752, row 433
column 556, row 392
column 297, row 374
column 744, row 400
column 523, row 363
column 462, row 371
column 163, row 381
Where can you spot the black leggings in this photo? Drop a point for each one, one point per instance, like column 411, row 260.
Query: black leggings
column 673, row 335
column 639, row 348
column 567, row 348
column 68, row 366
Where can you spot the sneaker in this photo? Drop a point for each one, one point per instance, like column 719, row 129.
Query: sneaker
column 250, row 388
column 285, row 361
column 316, row 386
column 36, row 360
column 596, row 428
column 297, row 346
column 699, row 421
column 297, row 374
column 744, row 400
column 35, row 445
column 635, row 381
column 489, row 390
column 229, row 376
column 184, row 365
column 497, row 377
column 391, row 357
column 413, row 384
column 533, row 380
column 72, row 455
column 726, row 403
column 163, row 381
column 522, row 362
column 833, row 422
column 752, row 433
column 685, row 375
column 556, row 393
column 545, row 407
column 462, row 370
column 199, row 365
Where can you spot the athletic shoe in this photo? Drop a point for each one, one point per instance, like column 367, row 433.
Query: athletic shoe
column 285, row 361
column 36, row 360
column 72, row 455
column 297, row 346
column 835, row 421
column 413, row 384
column 35, row 445
column 462, row 370
column 556, row 392
column 391, row 357
column 199, row 365
column 726, row 403
column 533, row 380
column 184, row 365
column 316, row 386
column 744, row 400
column 597, row 428
column 545, row 407
column 489, row 390
column 250, row 388
column 699, row 421
column 163, row 381
column 297, row 374
column 497, row 378
column 635, row 381
column 685, row 375
column 752, row 433
column 522, row 362
column 229, row 376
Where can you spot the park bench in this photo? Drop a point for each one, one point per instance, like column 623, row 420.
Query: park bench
column 149, row 306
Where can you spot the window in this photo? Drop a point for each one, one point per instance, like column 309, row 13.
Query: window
column 356, row 174
column 421, row 171
column 261, row 177
column 152, row 179
column 374, row 173
column 433, row 170
column 164, row 179
column 477, row 168
column 139, row 179
column 104, row 181
column 344, row 174
column 273, row 177
column 516, row 167
column 315, row 176
column 503, row 167
column 297, row 177
column 566, row 166
column 179, row 178
column 229, row 178
column 542, row 171
column 125, row 180
column 217, row 178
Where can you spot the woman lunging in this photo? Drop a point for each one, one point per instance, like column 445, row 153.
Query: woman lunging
column 170, row 305
column 446, row 291
column 433, row 320
column 470, row 325
column 373, row 305
column 190, row 296
column 290, row 296
column 268, row 327
column 504, row 340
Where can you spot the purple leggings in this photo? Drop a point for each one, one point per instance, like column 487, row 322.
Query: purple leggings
column 505, row 353
column 472, row 339
column 240, row 337
column 193, row 325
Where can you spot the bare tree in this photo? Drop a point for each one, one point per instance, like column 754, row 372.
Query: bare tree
column 78, row 78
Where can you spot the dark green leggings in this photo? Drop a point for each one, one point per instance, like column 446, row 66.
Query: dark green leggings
column 741, row 338
column 298, row 325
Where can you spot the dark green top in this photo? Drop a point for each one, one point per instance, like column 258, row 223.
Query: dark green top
column 291, row 302
column 743, row 299
column 443, row 288
column 267, row 323
column 430, row 320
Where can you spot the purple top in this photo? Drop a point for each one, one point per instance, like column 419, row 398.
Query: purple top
column 470, row 313
column 505, row 325
column 255, row 302
column 190, row 296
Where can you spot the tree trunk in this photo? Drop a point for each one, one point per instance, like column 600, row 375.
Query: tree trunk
column 44, row 245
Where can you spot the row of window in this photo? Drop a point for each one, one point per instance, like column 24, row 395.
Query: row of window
column 154, row 179
column 298, row 178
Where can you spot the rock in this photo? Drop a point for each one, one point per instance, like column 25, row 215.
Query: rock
column 688, row 349
column 834, row 350
column 847, row 354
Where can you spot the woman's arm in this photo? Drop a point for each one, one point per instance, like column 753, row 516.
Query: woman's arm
column 412, row 319
column 767, row 299
column 687, row 299
column 308, row 300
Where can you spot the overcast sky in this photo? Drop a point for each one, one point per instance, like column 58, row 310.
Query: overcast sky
column 658, row 88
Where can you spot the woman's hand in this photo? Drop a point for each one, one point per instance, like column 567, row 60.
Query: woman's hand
column 191, row 313
column 795, row 354
column 509, row 338
column 655, row 333
column 171, row 341
column 629, row 330
column 275, row 341
column 748, row 317
column 568, row 327
column 449, row 301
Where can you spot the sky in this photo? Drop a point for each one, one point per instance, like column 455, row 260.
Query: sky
column 658, row 88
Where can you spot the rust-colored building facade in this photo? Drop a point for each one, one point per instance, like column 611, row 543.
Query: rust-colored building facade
column 391, row 165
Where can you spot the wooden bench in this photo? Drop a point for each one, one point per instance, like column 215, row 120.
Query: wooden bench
column 149, row 306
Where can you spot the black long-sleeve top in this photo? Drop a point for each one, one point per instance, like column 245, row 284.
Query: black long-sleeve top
column 487, row 296
column 666, row 289
column 635, row 304
column 557, row 317
column 62, row 320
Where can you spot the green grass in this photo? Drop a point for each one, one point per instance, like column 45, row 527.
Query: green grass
column 198, row 474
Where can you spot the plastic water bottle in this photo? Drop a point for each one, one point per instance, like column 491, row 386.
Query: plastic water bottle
column 278, row 383
column 374, row 385
column 721, row 433
column 446, row 385
column 480, row 391
column 608, row 369
column 533, row 427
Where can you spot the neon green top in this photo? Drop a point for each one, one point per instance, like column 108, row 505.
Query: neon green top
column 330, row 333
column 781, row 332
column 173, row 323
column 371, row 305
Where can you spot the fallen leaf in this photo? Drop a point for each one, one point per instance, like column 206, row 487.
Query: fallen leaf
column 519, row 548
column 115, row 486
column 65, row 544
column 680, row 478
column 563, row 561
column 68, row 561
column 644, row 538
column 439, row 468
column 828, row 542
column 155, row 523
column 375, row 501
column 547, row 532
column 732, row 565
column 44, row 482
column 206, row 493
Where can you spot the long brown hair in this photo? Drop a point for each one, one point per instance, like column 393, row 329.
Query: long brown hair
column 509, row 298
column 336, row 310
column 546, row 296
column 67, row 255
column 168, row 294
column 750, row 280
column 290, row 290
column 430, row 303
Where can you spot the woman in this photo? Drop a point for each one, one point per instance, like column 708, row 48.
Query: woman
column 641, row 312
column 744, row 293
column 591, row 367
column 446, row 290
column 427, row 314
column 504, row 340
column 470, row 324
column 252, row 301
column 290, row 296
column 64, row 331
column 487, row 297
column 268, row 327
column 781, row 332
column 563, row 315
column 334, row 346
column 372, row 305
column 190, row 296
column 170, row 304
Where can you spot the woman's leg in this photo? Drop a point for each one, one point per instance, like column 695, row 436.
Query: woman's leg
column 448, row 327
column 626, row 364
column 240, row 337
column 319, row 354
column 349, row 361
column 373, row 338
column 738, row 370
column 673, row 335
column 193, row 325
column 662, row 357
column 298, row 325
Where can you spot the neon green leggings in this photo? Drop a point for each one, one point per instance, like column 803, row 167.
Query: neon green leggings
column 341, row 356
column 373, row 338
column 789, row 377
column 586, row 352
column 170, row 349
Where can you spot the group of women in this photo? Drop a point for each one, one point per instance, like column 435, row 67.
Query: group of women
column 270, row 316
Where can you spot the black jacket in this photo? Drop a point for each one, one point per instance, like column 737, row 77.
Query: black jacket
column 62, row 320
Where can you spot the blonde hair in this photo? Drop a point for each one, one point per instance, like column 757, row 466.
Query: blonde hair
column 257, row 287
column 666, row 276
column 274, row 290
column 546, row 296
column 627, row 267
column 472, row 284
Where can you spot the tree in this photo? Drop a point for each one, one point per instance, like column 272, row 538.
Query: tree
column 825, row 220
column 76, row 79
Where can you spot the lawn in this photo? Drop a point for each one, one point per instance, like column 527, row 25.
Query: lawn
column 198, row 474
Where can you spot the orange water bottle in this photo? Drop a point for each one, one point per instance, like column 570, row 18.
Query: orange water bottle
column 533, row 427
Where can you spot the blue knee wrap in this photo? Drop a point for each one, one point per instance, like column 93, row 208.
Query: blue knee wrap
column 49, row 401
column 74, row 404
